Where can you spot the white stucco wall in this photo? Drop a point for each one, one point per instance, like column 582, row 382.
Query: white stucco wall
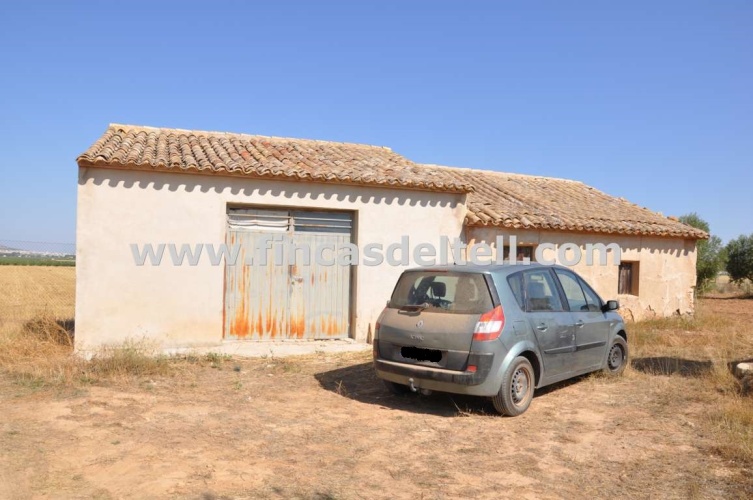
column 170, row 306
column 666, row 272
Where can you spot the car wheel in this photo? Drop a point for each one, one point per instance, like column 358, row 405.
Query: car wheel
column 516, row 393
column 395, row 388
column 616, row 357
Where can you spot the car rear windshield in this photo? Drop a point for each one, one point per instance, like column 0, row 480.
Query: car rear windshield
column 460, row 293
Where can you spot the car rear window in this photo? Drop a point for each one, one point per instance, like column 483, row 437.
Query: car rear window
column 460, row 293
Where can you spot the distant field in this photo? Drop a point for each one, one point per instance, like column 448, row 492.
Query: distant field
column 35, row 261
column 29, row 291
column 723, row 285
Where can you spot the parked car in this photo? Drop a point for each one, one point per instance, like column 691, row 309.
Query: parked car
column 496, row 331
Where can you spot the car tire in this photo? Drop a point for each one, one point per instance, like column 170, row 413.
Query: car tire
column 516, row 393
column 617, row 358
column 396, row 389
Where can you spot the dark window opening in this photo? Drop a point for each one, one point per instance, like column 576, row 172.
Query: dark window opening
column 628, row 279
column 521, row 252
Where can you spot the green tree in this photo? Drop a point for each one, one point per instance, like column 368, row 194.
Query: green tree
column 710, row 253
column 740, row 258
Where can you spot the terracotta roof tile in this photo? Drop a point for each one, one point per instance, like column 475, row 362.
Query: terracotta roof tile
column 135, row 147
column 494, row 198
column 532, row 202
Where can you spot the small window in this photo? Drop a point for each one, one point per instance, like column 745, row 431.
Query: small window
column 322, row 222
column 253, row 219
column 299, row 221
column 521, row 252
column 628, row 279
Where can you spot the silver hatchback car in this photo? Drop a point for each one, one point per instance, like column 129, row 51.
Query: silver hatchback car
column 495, row 331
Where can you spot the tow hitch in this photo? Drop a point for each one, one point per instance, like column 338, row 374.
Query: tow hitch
column 413, row 388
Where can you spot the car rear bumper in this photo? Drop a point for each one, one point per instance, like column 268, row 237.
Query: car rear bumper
column 437, row 378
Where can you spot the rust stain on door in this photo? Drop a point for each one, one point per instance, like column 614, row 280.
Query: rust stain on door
column 286, row 301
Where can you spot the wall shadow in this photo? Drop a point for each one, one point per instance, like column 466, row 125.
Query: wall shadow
column 273, row 186
column 666, row 365
column 627, row 243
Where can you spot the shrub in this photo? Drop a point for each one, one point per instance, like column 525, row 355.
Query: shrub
column 740, row 259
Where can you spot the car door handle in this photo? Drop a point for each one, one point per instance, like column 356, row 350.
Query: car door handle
column 579, row 323
column 542, row 327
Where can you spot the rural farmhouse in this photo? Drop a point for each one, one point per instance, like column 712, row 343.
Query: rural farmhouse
column 142, row 187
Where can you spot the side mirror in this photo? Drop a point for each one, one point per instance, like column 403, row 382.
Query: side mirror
column 611, row 305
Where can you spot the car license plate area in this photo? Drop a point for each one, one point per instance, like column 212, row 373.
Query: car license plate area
column 420, row 354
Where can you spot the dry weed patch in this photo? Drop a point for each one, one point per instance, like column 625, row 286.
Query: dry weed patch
column 705, row 347
column 40, row 354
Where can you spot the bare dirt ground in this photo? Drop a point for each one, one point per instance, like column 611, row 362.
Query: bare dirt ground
column 323, row 427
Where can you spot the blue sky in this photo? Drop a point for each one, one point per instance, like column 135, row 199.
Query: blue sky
column 648, row 100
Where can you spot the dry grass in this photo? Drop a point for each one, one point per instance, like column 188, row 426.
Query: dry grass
column 706, row 347
column 41, row 355
column 712, row 336
column 30, row 291
column 723, row 286
column 37, row 329
column 47, row 329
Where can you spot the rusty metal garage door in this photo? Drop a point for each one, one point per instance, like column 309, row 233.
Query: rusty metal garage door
column 265, row 301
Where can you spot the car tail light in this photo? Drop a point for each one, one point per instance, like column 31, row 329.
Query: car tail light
column 490, row 324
